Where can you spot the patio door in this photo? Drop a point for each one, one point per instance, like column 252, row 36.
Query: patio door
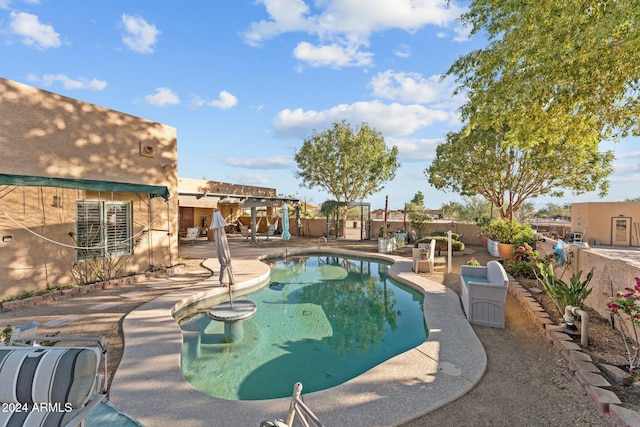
column 621, row 231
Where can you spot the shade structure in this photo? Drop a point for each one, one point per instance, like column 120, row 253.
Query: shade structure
column 224, row 255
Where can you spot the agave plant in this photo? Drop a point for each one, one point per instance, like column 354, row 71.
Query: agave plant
column 573, row 294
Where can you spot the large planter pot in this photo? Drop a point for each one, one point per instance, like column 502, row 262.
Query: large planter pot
column 385, row 245
column 484, row 240
column 492, row 247
column 505, row 250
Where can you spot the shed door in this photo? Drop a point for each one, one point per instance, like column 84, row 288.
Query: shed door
column 620, row 231
column 186, row 218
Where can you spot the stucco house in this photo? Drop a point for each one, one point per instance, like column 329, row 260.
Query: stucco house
column 81, row 185
column 607, row 223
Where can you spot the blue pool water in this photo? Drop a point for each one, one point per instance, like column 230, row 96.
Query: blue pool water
column 323, row 320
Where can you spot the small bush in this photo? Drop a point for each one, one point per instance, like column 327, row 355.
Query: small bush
column 442, row 243
column 519, row 268
column 562, row 293
column 5, row 334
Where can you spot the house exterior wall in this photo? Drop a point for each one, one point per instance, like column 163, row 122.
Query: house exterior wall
column 48, row 135
column 607, row 223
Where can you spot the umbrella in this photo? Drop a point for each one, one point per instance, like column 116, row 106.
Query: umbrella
column 285, row 227
column 224, row 255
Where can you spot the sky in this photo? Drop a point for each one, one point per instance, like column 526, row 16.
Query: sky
column 245, row 82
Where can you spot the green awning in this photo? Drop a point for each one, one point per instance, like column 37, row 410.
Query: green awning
column 85, row 184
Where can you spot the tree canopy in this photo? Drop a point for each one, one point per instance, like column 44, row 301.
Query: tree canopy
column 351, row 164
column 478, row 162
column 553, row 68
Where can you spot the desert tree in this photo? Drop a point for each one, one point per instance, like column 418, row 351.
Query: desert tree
column 350, row 164
column 479, row 162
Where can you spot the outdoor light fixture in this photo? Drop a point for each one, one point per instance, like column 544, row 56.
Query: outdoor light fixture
column 7, row 238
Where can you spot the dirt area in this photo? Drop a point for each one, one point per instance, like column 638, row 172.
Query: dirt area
column 526, row 383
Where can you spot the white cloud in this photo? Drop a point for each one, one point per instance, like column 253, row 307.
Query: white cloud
column 403, row 51
column 409, row 87
column 163, row 96
column 332, row 55
column 249, row 179
column 412, row 150
column 140, row 35
column 343, row 26
column 34, row 33
column 462, row 34
column 390, row 119
column 286, row 16
column 276, row 162
column 630, row 155
column 225, row 101
column 69, row 83
column 626, row 169
column 349, row 17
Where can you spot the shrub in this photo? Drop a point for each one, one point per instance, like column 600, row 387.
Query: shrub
column 512, row 232
column 5, row 334
column 441, row 243
column 519, row 268
column 561, row 293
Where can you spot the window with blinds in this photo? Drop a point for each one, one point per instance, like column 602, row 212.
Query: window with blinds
column 103, row 228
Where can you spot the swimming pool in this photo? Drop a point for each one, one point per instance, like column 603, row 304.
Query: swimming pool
column 322, row 321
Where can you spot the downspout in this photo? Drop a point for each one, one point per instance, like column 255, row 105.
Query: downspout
column 569, row 312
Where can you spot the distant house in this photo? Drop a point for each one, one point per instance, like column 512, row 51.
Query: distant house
column 607, row 223
column 80, row 183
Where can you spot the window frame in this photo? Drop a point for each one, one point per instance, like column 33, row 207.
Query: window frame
column 103, row 229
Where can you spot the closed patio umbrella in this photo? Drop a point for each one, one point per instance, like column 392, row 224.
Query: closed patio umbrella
column 285, row 227
column 224, row 255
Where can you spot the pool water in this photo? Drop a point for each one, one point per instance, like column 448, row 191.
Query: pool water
column 322, row 320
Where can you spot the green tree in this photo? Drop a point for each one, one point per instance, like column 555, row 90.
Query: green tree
column 418, row 216
column 351, row 164
column 552, row 210
column 469, row 209
column 418, row 200
column 479, row 162
column 553, row 68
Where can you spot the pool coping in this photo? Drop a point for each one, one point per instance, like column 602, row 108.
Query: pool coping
column 150, row 387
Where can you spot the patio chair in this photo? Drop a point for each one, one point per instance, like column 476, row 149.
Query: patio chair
column 430, row 259
column 298, row 409
column 578, row 236
column 244, row 230
column 50, row 385
column 192, row 235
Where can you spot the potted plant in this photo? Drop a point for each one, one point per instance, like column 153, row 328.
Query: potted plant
column 510, row 234
column 483, row 223
column 424, row 252
column 386, row 243
column 473, row 262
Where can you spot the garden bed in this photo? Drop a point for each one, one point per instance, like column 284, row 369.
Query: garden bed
column 605, row 345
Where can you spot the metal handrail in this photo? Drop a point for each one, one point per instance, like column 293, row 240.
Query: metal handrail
column 301, row 410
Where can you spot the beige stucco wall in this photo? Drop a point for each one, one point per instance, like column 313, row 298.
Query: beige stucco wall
column 600, row 220
column 613, row 270
column 46, row 134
